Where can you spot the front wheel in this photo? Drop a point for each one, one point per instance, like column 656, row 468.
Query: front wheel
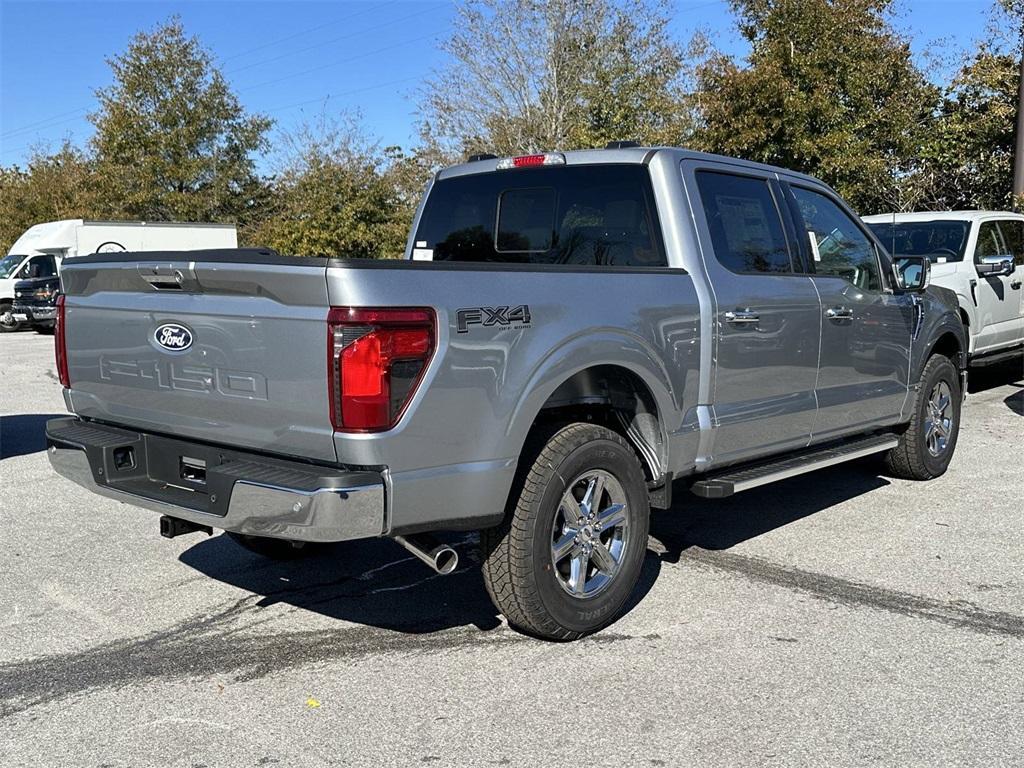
column 926, row 448
column 570, row 550
column 7, row 321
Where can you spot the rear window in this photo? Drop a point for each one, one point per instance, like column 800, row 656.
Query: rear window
column 940, row 240
column 746, row 231
column 589, row 215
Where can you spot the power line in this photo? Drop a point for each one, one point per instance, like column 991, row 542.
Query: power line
column 284, row 108
column 303, row 33
column 341, row 61
column 53, row 121
column 30, row 126
column 388, row 23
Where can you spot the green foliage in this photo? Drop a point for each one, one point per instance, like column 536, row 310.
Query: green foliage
column 829, row 89
column 52, row 187
column 968, row 155
column 333, row 196
column 172, row 140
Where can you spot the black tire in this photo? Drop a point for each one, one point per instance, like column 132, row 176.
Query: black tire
column 273, row 549
column 7, row 323
column 522, row 577
column 915, row 458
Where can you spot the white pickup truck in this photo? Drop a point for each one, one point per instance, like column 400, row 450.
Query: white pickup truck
column 980, row 256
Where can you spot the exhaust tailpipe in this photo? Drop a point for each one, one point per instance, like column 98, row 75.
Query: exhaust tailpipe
column 438, row 556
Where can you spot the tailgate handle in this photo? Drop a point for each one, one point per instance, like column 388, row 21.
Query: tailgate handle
column 168, row 277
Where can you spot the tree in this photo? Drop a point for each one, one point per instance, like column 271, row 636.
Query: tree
column 333, row 196
column 562, row 74
column 968, row 155
column 172, row 141
column 53, row 186
column 828, row 89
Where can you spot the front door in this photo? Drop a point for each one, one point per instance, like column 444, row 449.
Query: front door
column 866, row 332
column 999, row 296
column 767, row 326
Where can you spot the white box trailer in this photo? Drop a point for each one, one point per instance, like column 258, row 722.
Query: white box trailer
column 41, row 249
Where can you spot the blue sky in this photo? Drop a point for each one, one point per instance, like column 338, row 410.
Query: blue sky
column 293, row 59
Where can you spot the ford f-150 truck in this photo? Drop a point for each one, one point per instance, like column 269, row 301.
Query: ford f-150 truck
column 979, row 255
column 571, row 338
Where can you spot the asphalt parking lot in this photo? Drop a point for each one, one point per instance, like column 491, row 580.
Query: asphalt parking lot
column 839, row 618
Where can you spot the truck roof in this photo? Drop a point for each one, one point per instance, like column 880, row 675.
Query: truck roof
column 620, row 155
column 885, row 218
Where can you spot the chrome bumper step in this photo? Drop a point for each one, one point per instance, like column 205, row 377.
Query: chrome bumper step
column 743, row 478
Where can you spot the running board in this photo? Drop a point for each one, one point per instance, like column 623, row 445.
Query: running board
column 745, row 478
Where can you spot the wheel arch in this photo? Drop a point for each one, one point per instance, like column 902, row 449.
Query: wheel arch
column 614, row 380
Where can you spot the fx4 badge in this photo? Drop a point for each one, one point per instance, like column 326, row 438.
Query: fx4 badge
column 516, row 317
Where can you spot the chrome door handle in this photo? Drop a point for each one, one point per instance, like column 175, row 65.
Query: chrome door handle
column 741, row 316
column 839, row 313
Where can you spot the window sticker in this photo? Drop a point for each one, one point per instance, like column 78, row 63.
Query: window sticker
column 423, row 254
column 814, row 245
column 421, row 243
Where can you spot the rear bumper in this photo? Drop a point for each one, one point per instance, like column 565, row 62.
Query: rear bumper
column 240, row 492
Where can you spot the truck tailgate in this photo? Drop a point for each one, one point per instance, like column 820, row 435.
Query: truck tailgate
column 229, row 349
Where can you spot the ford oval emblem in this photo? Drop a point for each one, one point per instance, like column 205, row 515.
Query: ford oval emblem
column 173, row 337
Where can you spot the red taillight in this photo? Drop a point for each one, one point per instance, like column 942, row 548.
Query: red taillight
column 60, row 346
column 375, row 359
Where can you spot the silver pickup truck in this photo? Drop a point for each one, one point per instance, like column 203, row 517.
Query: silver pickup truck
column 570, row 338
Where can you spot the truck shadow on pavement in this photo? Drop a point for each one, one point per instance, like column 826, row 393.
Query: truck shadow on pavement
column 23, row 434
column 376, row 583
column 989, row 377
column 717, row 524
column 372, row 582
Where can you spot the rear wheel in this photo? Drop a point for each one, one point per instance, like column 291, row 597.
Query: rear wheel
column 570, row 551
column 926, row 448
column 274, row 549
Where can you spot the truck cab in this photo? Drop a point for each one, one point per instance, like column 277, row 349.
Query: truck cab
column 980, row 256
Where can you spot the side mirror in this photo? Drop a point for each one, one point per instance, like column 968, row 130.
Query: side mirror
column 995, row 266
column 912, row 273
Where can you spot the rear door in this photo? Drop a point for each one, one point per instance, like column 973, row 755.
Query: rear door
column 232, row 350
column 767, row 314
column 866, row 330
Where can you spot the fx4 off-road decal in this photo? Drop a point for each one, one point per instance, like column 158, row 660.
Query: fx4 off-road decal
column 515, row 317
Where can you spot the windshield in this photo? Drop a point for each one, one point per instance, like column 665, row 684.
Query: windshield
column 940, row 241
column 597, row 215
column 10, row 263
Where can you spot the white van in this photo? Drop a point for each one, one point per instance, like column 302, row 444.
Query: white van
column 39, row 252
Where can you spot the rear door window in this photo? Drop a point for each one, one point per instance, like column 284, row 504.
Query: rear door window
column 746, row 229
column 585, row 215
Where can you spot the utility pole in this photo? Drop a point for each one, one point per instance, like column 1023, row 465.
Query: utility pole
column 1018, row 155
